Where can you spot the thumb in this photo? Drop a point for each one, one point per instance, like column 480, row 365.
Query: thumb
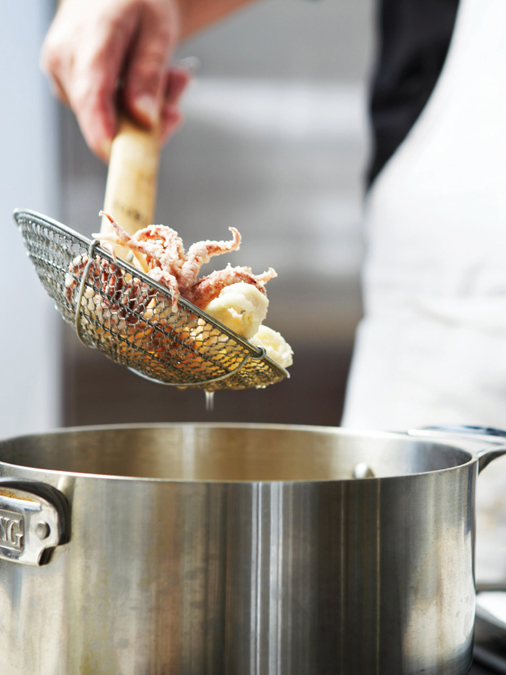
column 144, row 77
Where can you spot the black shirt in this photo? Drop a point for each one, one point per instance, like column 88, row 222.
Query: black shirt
column 414, row 36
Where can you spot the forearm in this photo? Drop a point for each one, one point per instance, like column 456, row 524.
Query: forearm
column 196, row 15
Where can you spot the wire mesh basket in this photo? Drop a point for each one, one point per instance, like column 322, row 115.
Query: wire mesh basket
column 126, row 315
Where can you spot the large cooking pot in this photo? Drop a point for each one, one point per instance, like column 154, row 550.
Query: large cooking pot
column 200, row 549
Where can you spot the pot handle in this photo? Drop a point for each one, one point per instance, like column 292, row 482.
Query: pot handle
column 32, row 524
column 489, row 434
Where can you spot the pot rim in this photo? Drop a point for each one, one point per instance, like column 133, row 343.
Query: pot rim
column 445, row 440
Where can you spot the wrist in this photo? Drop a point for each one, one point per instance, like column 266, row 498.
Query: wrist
column 184, row 11
column 195, row 15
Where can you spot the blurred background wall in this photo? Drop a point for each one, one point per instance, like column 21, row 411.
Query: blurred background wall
column 30, row 375
column 275, row 142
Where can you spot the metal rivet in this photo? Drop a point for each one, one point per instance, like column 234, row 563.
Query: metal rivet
column 42, row 530
column 362, row 470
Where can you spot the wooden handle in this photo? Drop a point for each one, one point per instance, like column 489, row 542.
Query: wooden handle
column 130, row 192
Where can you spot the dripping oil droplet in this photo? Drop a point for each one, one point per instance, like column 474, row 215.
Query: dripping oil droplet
column 209, row 401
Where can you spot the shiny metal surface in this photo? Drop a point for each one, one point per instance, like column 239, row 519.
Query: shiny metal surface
column 34, row 519
column 361, row 470
column 229, row 550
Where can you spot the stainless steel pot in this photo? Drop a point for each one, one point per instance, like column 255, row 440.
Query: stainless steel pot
column 238, row 550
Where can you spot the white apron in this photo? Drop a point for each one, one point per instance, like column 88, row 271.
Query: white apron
column 432, row 346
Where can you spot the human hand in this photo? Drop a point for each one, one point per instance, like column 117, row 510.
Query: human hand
column 92, row 47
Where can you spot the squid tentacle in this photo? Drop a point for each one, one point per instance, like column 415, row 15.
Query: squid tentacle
column 168, row 264
column 202, row 252
column 209, row 288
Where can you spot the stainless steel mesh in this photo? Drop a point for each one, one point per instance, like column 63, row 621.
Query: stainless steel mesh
column 128, row 316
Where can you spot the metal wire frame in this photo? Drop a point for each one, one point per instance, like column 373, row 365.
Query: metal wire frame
column 129, row 316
